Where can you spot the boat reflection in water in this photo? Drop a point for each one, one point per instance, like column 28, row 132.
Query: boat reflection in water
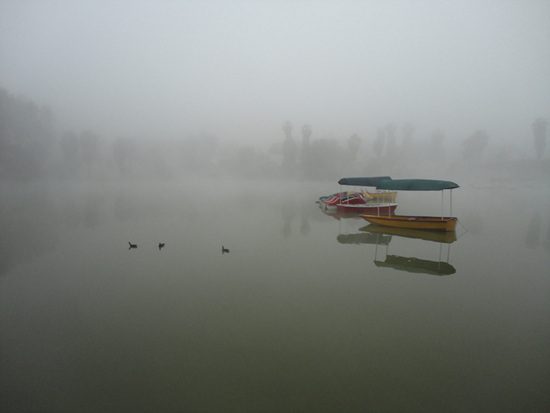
column 447, row 237
column 413, row 264
column 364, row 238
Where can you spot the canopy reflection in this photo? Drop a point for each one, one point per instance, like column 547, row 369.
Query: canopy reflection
column 447, row 237
column 416, row 265
column 413, row 264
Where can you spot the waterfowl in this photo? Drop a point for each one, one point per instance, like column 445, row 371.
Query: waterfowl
column 161, row 245
column 224, row 250
column 132, row 245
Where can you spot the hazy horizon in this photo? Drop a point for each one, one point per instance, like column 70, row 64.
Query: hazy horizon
column 239, row 69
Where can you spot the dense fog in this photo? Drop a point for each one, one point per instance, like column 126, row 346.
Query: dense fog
column 316, row 89
column 138, row 93
column 33, row 150
column 203, row 133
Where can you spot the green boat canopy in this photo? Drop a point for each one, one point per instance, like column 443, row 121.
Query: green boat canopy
column 366, row 181
column 415, row 185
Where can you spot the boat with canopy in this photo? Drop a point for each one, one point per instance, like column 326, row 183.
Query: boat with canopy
column 445, row 237
column 434, row 223
column 362, row 201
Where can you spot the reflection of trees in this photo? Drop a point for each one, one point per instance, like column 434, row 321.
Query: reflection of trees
column 532, row 240
column 547, row 240
column 124, row 207
column 354, row 143
column 306, row 135
column 70, row 148
column 27, row 225
column 26, row 137
column 539, row 131
column 379, row 142
column 124, row 154
column 305, row 227
column 305, row 153
column 289, row 151
column 288, row 213
column 92, row 210
column 90, row 148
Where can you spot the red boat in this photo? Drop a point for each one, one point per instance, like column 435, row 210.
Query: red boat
column 363, row 202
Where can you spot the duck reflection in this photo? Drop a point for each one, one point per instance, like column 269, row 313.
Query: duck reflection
column 413, row 264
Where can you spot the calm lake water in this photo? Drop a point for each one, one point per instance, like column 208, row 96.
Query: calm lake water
column 307, row 313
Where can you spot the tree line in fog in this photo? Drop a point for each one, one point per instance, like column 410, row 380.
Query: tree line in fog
column 30, row 148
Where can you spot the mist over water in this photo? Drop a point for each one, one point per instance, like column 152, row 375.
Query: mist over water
column 292, row 318
column 213, row 128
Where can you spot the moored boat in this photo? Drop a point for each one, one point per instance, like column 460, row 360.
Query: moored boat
column 433, row 223
column 374, row 208
column 360, row 202
column 445, row 237
column 413, row 222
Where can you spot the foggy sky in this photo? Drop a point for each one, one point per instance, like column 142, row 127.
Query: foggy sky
column 240, row 69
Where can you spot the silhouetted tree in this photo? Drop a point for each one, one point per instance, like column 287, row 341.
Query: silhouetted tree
column 408, row 130
column 436, row 144
column 380, row 142
column 287, row 129
column 289, row 151
column 306, row 134
column 26, row 137
column 90, row 149
column 70, row 148
column 306, row 147
column 124, row 154
column 539, row 131
column 354, row 143
column 391, row 128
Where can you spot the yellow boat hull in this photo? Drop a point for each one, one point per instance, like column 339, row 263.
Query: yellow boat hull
column 413, row 222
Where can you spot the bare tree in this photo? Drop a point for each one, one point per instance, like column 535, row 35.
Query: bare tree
column 391, row 128
column 408, row 130
column 289, row 150
column 287, row 129
column 70, row 147
column 90, row 149
column 437, row 138
column 306, row 134
column 354, row 142
column 380, row 142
